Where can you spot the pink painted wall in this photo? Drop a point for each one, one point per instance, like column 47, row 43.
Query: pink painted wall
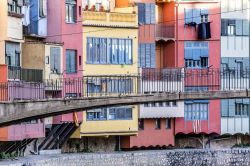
column 190, row 34
column 22, row 131
column 212, row 125
column 71, row 36
column 150, row 137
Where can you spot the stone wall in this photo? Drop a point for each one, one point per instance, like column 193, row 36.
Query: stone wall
column 164, row 157
column 90, row 144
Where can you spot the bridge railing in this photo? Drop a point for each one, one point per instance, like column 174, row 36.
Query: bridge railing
column 147, row 81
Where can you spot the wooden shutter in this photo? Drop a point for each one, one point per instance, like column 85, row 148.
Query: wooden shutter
column 224, row 108
column 141, row 12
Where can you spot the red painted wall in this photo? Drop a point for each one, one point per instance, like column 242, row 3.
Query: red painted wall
column 150, row 137
column 3, row 82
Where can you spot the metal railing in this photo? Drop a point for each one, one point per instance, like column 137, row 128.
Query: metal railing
column 148, row 81
column 28, row 75
column 163, row 31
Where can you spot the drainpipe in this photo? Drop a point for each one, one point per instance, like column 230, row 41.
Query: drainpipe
column 176, row 33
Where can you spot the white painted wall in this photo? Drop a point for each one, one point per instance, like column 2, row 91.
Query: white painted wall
column 234, row 46
column 234, row 125
column 162, row 112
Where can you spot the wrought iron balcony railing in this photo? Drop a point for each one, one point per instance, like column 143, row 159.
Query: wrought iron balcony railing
column 164, row 32
column 28, row 75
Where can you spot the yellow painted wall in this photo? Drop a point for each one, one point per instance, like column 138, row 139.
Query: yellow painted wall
column 11, row 29
column 110, row 127
column 3, row 29
column 98, row 69
column 33, row 55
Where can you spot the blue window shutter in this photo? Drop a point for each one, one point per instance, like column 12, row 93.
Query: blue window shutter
column 143, row 55
column 148, row 56
column 204, row 11
column 188, row 15
column 147, row 13
column 67, row 61
column 188, row 53
column 141, row 12
column 57, row 59
column 239, row 28
column 152, row 13
column 231, row 107
column 139, row 55
column 52, row 59
column 204, row 52
column 197, row 16
column 153, row 56
column 73, row 61
column 196, row 54
column 109, row 51
column 245, row 27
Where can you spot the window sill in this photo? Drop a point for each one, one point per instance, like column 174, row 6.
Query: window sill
column 70, row 22
column 13, row 14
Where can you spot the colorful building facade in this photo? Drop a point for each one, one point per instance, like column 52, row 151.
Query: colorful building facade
column 196, row 45
column 110, row 49
column 12, row 72
column 235, row 58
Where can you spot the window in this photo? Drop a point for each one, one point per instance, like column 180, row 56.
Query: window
column 204, row 18
column 70, row 11
column 120, row 113
column 15, row 6
column 106, row 85
column 168, row 123
column 241, row 109
column 196, row 54
column 231, row 29
column 71, row 95
column 109, row 51
column 12, row 51
column 158, row 124
column 167, row 104
column 141, row 124
column 98, row 114
column 174, row 103
column 146, row 13
column 196, row 110
column 160, row 104
column 147, row 55
column 153, row 104
column 55, row 60
column 146, row 105
column 71, row 61
column 236, row 27
column 42, row 8
column 196, row 16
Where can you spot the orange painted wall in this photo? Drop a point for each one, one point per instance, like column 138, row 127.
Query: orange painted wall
column 3, row 82
column 122, row 3
column 150, row 137
column 4, row 134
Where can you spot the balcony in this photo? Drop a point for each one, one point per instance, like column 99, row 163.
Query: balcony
column 117, row 19
column 28, row 75
column 164, row 32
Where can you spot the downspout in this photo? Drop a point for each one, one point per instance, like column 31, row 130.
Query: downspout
column 176, row 33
